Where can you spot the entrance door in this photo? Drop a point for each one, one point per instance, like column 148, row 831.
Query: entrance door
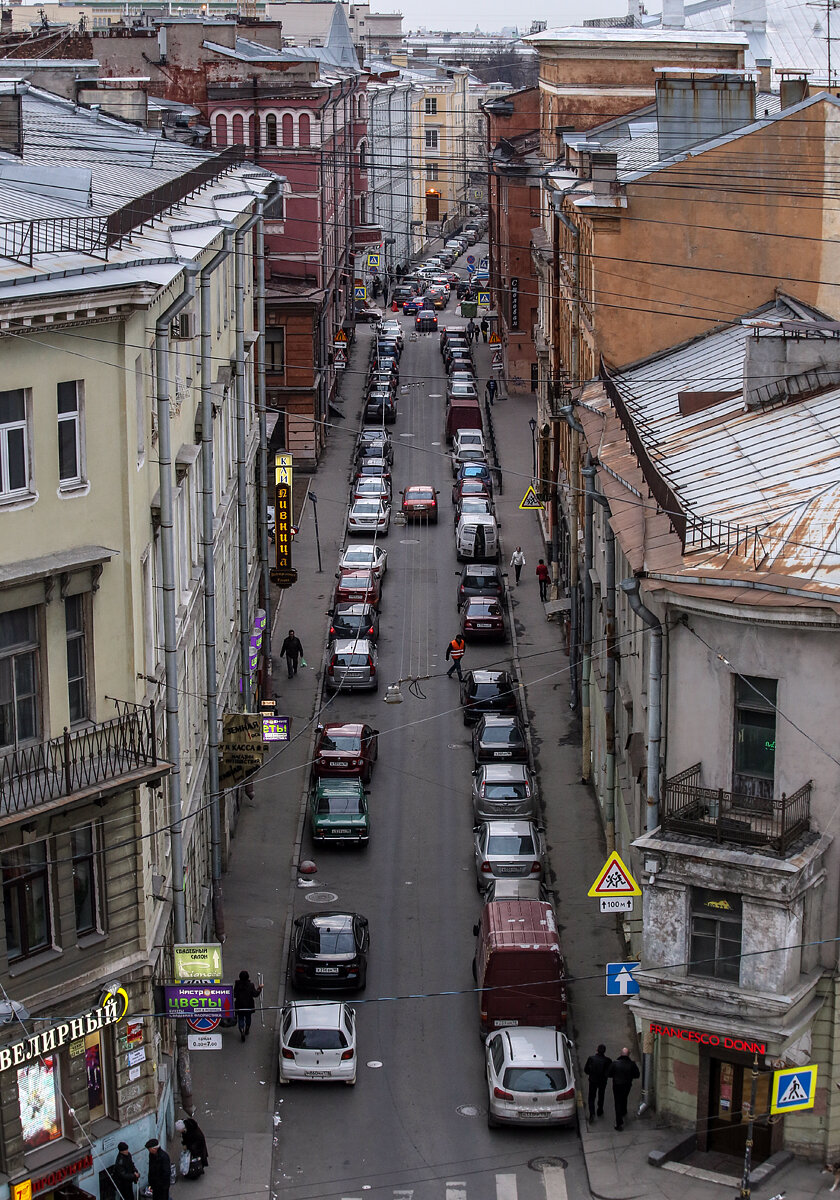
column 729, row 1098
column 432, row 206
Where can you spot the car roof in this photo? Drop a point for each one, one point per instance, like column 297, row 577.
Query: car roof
column 370, row 546
column 496, row 719
column 338, row 785
column 330, row 920
column 355, row 573
column 317, row 1016
column 484, row 601
column 353, row 608
column 529, row 1042
column 350, row 728
column 500, row 772
column 420, row 487
column 503, row 827
column 480, row 568
column 352, row 646
column 482, row 518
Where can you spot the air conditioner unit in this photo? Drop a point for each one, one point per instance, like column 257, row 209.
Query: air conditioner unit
column 183, row 326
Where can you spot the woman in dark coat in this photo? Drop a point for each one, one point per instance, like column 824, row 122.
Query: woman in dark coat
column 193, row 1140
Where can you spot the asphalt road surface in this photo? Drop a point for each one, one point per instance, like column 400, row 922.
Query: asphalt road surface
column 414, row 1127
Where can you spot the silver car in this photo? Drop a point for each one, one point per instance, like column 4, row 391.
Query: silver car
column 504, row 790
column 352, row 665
column 505, row 849
column 364, row 558
column 369, row 516
column 530, row 1077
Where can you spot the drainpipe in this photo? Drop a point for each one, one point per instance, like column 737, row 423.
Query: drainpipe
column 630, row 587
column 262, row 459
column 586, row 732
column 574, row 345
column 209, row 551
column 609, row 699
column 568, row 415
column 173, row 732
column 245, row 621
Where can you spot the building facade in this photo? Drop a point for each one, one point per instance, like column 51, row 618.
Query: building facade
column 396, row 167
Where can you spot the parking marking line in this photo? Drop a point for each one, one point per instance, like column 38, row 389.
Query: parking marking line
column 506, row 1187
column 554, row 1181
column 456, row 1190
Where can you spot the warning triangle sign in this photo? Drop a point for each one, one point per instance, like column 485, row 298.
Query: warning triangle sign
column 794, row 1092
column 614, row 880
column 495, row 340
column 341, row 336
column 531, row 500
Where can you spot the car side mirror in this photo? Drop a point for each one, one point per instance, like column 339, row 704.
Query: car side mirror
column 374, row 733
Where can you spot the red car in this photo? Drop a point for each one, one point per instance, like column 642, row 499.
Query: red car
column 470, row 486
column 344, row 749
column 483, row 619
column 357, row 587
column 420, row 503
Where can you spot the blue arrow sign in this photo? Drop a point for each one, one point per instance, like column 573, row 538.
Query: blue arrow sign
column 620, row 980
column 470, row 268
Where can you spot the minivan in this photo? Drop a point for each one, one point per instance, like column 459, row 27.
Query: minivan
column 351, row 666
column 477, row 538
column 464, row 413
column 519, row 966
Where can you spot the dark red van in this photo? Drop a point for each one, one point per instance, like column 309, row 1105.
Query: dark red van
column 462, row 413
column 519, row 966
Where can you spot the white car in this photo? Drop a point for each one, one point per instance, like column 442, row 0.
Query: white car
column 317, row 1043
column 372, row 487
column 464, row 439
column 392, row 329
column 369, row 516
column 365, row 557
column 530, row 1077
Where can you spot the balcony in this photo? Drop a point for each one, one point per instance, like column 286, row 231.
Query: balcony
column 769, row 824
column 86, row 764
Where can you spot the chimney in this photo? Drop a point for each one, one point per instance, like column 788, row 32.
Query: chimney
column 780, row 367
column 764, row 66
column 673, row 14
column 604, row 166
column 691, row 110
column 749, row 16
column 793, row 88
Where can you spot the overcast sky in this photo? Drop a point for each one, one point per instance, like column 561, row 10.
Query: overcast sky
column 493, row 15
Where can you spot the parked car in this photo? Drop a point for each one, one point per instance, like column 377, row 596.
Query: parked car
column 503, row 789
column 317, row 1043
column 466, row 454
column 530, row 1078
column 469, row 486
column 425, row 321
column 499, row 738
column 467, row 439
column 478, row 470
column 381, row 406
column 367, row 312
column 338, row 811
column 329, row 951
column 419, row 503
column 508, row 848
column 350, row 621
column 344, row 748
column 478, row 505
column 379, row 468
column 392, row 330
column 372, row 487
column 461, row 387
column 487, row 691
column 352, row 666
column 365, row 557
column 374, row 450
column 477, row 539
column 369, row 516
column 483, row 620
column 460, row 360
column 356, row 587
column 480, row 579
column 412, row 305
column 522, row 979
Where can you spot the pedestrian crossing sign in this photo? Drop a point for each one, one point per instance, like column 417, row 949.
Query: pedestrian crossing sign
column 360, row 293
column 614, row 880
column 484, row 299
column 531, row 500
column 794, row 1088
column 373, row 260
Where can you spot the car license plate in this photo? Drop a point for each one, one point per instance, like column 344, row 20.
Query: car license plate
column 499, row 1024
column 504, row 754
column 507, row 870
column 326, row 970
column 484, row 624
column 317, row 1074
column 534, row 1112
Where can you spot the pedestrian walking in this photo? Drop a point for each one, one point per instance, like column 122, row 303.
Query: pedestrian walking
column 485, row 328
column 517, row 561
column 292, row 650
column 194, row 1156
column 160, row 1170
column 244, row 995
column 472, row 331
column 622, row 1072
column 597, row 1067
column 542, row 573
column 455, row 651
column 490, row 389
column 124, row 1173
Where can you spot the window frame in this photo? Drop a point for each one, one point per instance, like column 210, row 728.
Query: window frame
column 15, row 879
column 432, row 172
column 32, row 646
column 18, row 424
column 92, row 858
column 76, row 418
column 80, row 634
column 721, row 965
column 275, row 335
column 432, row 139
column 751, row 695
column 431, row 108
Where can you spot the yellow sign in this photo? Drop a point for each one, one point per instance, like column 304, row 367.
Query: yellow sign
column 198, row 961
column 794, row 1088
column 531, row 500
column 22, row 1190
column 614, row 880
column 495, row 340
column 341, row 336
column 283, row 468
column 373, row 260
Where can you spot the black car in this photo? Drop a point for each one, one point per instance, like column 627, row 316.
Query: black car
column 374, row 450
column 351, row 621
column 487, row 692
column 480, row 579
column 329, row 950
column 499, row 739
column 402, row 292
column 381, row 406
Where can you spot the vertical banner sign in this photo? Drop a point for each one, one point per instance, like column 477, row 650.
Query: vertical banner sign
column 283, row 574
column 514, row 303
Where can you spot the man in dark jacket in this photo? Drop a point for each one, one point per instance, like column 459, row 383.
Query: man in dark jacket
column 596, row 1067
column 291, row 650
column 160, row 1170
column 124, row 1173
column 622, row 1072
column 244, row 995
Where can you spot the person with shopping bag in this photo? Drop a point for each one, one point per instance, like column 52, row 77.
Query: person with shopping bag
column 194, row 1156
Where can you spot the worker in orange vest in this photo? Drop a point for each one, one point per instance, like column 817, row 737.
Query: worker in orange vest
column 455, row 651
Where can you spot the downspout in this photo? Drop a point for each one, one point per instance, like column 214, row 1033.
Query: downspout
column 263, row 489
column 245, row 622
column 609, row 698
column 568, row 415
column 574, row 348
column 209, row 550
column 170, row 644
column 586, row 732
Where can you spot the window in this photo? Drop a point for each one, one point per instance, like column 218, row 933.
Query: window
column 275, row 350
column 96, row 1070
column 221, row 131
column 252, row 130
column 85, row 884
column 18, row 676
column 140, row 409
column 715, row 934
column 238, row 130
column 271, row 130
column 38, row 1097
column 14, row 443
column 77, row 686
column 304, row 129
column 70, row 432
column 755, row 736
column 432, row 172
column 288, row 129
column 431, row 106
column 431, row 139
column 26, row 900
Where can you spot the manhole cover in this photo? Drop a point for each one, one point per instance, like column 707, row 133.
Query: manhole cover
column 468, row 1110
column 541, row 1164
column 321, row 897
column 259, row 923
column 374, row 1064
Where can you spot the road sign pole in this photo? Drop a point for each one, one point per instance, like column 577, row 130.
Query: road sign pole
column 746, row 1189
column 262, row 1010
column 314, row 500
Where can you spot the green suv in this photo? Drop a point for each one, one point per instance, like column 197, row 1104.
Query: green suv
column 338, row 811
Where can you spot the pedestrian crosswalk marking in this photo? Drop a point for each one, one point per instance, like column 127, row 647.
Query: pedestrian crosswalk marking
column 505, row 1187
column 554, row 1179
column 554, row 1184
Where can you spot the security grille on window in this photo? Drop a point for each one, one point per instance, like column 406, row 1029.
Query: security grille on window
column 74, row 621
column 755, row 737
column 26, row 900
column 431, row 139
column 14, row 444
column 715, row 934
column 69, row 432
column 18, row 677
column 431, row 106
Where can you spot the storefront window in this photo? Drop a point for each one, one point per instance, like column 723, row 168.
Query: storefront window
column 715, row 934
column 96, row 1074
column 40, row 1117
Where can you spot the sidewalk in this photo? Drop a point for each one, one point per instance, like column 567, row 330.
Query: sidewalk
column 616, row 1162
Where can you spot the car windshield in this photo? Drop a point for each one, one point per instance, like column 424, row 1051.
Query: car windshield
column 351, row 623
column 373, row 486
column 506, row 791
column 473, row 505
column 510, row 843
column 477, row 579
column 339, row 804
column 487, row 691
column 501, row 735
column 317, row 1039
column 535, row 1079
column 324, row 940
column 348, row 744
column 479, row 609
column 367, row 507
column 419, row 493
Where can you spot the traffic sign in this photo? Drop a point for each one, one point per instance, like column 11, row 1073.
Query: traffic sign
column 341, row 336
column 794, row 1088
column 495, row 340
column 373, row 261
column 620, row 980
column 359, row 292
column 614, row 880
column 198, row 960
column 470, row 259
column 531, row 500
column 484, row 299
column 484, row 264
column 203, row 1023
column 340, row 359
column 204, row 1041
column 609, row 904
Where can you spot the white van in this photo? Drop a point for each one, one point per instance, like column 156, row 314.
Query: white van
column 477, row 538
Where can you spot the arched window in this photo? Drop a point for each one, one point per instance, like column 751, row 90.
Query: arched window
column 363, row 157
column 221, row 131
column 361, row 107
column 252, row 130
column 238, row 131
column 288, row 130
column 303, row 129
column 271, row 130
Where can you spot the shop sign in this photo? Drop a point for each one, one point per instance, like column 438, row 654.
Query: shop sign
column 58, row 1176
column 514, row 303
column 276, row 729
column 709, row 1039
column 22, row 1190
column 198, row 960
column 25, row 1051
column 187, row 1000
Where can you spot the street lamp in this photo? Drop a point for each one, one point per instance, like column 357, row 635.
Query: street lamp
column 532, row 425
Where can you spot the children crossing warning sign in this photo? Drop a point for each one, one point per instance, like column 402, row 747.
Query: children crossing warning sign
column 794, row 1088
column 531, row 500
column 614, row 880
